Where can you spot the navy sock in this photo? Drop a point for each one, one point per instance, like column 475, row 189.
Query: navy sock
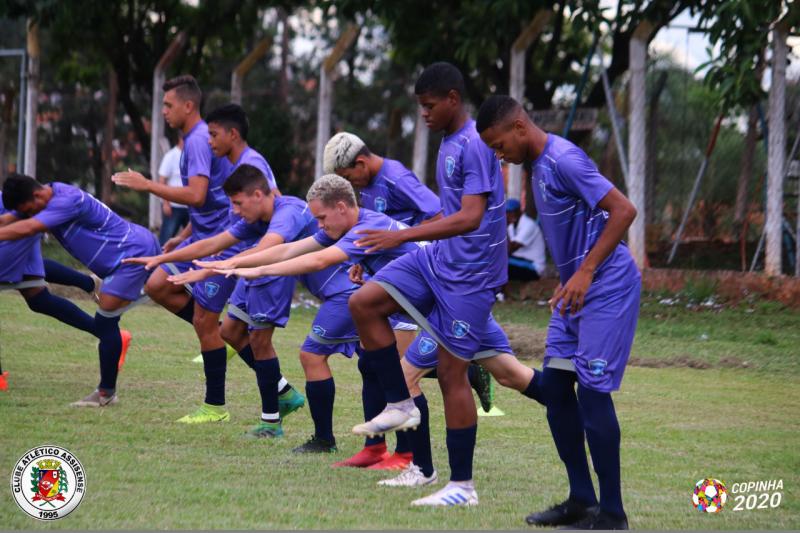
column 460, row 448
column 187, row 313
column 214, row 365
column 421, row 438
column 385, row 362
column 247, row 356
column 320, row 396
column 268, row 374
column 603, row 435
column 533, row 390
column 110, row 349
column 62, row 309
column 432, row 374
column 564, row 417
column 372, row 397
column 403, row 442
column 63, row 275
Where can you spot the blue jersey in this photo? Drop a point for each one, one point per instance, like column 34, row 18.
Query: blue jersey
column 253, row 158
column 293, row 221
column 375, row 261
column 567, row 188
column 398, row 193
column 479, row 259
column 90, row 231
column 19, row 257
column 197, row 159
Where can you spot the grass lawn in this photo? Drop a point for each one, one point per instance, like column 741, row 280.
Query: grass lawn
column 733, row 417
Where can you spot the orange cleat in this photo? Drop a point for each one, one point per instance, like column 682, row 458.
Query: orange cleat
column 126, row 343
column 396, row 461
column 370, row 455
column 3, row 380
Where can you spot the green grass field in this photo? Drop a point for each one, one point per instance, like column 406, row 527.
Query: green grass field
column 735, row 418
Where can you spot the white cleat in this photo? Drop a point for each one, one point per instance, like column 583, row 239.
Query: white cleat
column 96, row 399
column 392, row 418
column 451, row 495
column 412, row 476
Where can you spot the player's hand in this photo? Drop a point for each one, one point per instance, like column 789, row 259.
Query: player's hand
column 132, row 180
column 247, row 273
column 225, row 264
column 356, row 274
column 171, row 244
column 573, row 294
column 190, row 276
column 166, row 208
column 149, row 262
column 375, row 240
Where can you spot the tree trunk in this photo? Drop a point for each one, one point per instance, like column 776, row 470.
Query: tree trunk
column 746, row 170
column 776, row 152
column 108, row 137
column 651, row 175
column 6, row 114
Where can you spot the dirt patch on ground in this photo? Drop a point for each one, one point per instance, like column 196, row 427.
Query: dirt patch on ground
column 527, row 342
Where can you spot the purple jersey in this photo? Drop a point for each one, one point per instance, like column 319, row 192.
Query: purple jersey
column 567, row 188
column 90, row 231
column 292, row 220
column 368, row 219
column 197, row 159
column 397, row 192
column 253, row 158
column 19, row 258
column 479, row 259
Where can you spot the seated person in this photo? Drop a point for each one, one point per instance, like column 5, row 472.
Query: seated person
column 526, row 261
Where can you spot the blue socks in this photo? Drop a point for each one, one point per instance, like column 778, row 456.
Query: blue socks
column 268, row 374
column 372, row 397
column 320, row 396
column 385, row 362
column 62, row 309
column 214, row 366
column 564, row 417
column 63, row 275
column 110, row 349
column 187, row 313
column 460, row 449
column 533, row 390
column 421, row 438
column 603, row 434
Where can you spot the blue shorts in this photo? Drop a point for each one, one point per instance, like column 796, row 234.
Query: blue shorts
column 266, row 305
column 422, row 352
column 20, row 259
column 597, row 339
column 127, row 280
column 211, row 293
column 454, row 316
column 333, row 330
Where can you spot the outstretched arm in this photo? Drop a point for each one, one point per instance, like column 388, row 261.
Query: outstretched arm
column 21, row 229
column 467, row 219
column 202, row 248
column 312, row 262
column 275, row 254
column 194, row 194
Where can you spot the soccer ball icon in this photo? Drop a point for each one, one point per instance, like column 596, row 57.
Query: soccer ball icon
column 709, row 495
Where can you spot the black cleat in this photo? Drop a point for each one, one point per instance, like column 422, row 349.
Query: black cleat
column 315, row 445
column 599, row 519
column 481, row 382
column 565, row 513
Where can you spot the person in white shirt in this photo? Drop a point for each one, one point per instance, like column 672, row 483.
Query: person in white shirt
column 526, row 261
column 175, row 216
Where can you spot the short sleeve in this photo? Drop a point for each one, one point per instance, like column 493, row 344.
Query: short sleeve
column 243, row 231
column 578, row 175
column 287, row 223
column 347, row 244
column 477, row 166
column 61, row 208
column 197, row 157
column 322, row 238
column 411, row 191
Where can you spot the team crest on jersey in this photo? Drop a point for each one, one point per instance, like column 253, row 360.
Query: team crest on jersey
column 212, row 289
column 427, row 345
column 543, row 188
column 319, row 330
column 597, row 367
column 449, row 165
column 56, row 482
column 380, row 204
column 460, row 328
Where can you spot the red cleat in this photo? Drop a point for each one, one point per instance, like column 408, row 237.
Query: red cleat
column 3, row 380
column 126, row 343
column 396, row 461
column 370, row 455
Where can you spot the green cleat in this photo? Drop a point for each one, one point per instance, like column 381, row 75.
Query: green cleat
column 265, row 430
column 231, row 351
column 206, row 413
column 289, row 402
column 481, row 382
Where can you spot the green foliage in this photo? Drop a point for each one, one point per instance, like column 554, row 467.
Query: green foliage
column 699, row 289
